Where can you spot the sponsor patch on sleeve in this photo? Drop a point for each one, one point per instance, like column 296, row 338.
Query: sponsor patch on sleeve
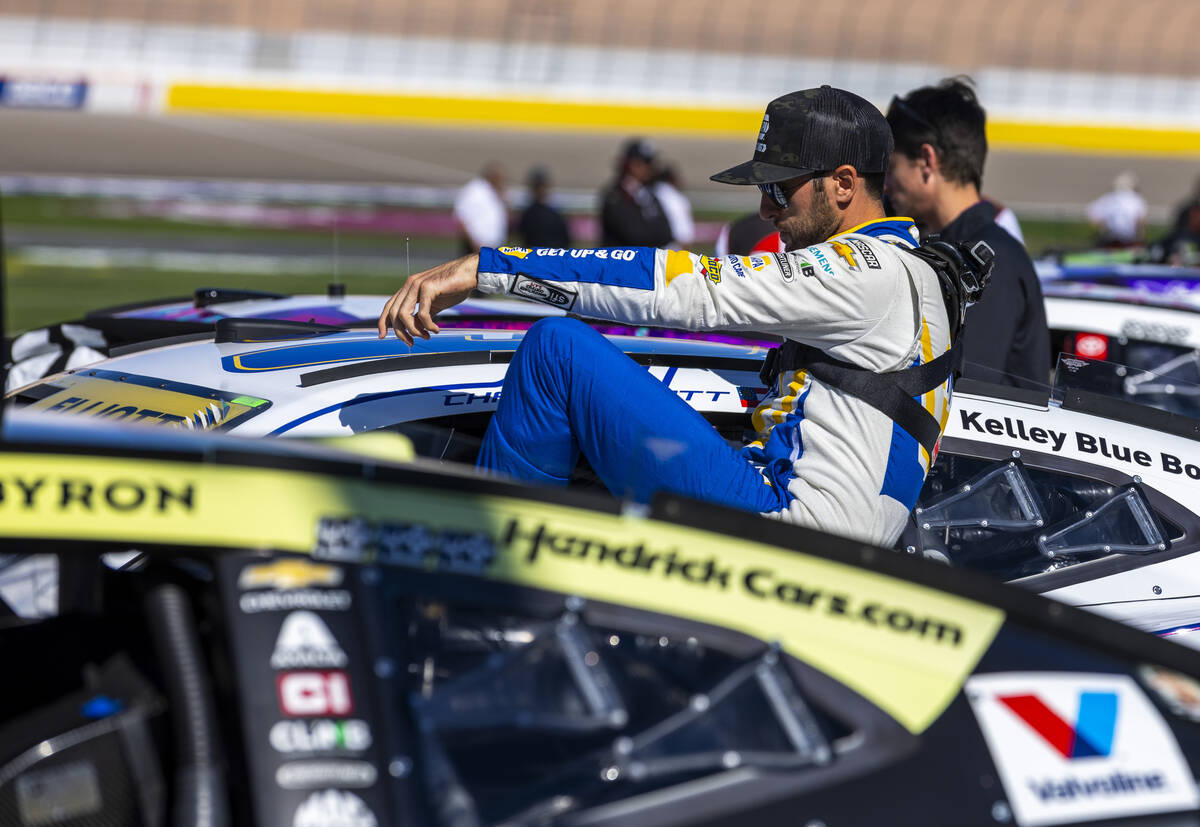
column 785, row 267
column 1073, row 747
column 846, row 253
column 539, row 291
column 864, row 250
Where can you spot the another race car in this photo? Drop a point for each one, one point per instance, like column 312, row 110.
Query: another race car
column 1085, row 499
column 301, row 637
column 1151, row 340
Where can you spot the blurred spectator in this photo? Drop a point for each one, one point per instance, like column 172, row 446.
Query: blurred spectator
column 480, row 210
column 676, row 206
column 1007, row 219
column 935, row 177
column 541, row 224
column 1182, row 245
column 630, row 215
column 1119, row 216
column 749, row 234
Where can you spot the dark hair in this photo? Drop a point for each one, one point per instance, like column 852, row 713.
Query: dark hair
column 949, row 118
column 873, row 184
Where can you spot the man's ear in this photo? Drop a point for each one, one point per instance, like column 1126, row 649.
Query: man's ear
column 846, row 182
column 929, row 162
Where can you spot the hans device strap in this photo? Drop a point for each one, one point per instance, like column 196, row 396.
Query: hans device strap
column 889, row 393
column 963, row 272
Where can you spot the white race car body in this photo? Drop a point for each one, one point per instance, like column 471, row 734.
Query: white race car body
column 1155, row 590
column 1081, row 458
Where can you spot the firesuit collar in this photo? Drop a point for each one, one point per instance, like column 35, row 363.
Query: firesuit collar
column 813, row 130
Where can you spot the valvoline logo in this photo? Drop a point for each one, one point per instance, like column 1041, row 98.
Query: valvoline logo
column 1090, row 737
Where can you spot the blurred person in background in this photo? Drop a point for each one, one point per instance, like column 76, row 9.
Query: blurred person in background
column 1181, row 247
column 935, row 177
column 749, row 234
column 676, row 206
column 1119, row 216
column 541, row 224
column 1007, row 219
column 630, row 214
column 480, row 210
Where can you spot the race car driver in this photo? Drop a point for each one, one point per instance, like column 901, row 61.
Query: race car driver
column 846, row 292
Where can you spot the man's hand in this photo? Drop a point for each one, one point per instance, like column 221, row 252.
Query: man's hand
column 411, row 310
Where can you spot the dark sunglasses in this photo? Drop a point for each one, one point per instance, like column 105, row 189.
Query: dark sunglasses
column 781, row 197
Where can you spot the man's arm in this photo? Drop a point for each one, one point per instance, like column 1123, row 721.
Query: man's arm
column 815, row 295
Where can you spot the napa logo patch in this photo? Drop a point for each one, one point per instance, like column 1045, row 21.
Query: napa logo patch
column 1075, row 746
column 515, row 252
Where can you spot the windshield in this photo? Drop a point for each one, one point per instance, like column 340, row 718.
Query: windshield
column 1012, row 521
column 1160, row 375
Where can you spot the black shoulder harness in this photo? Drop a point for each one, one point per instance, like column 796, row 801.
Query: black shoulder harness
column 963, row 273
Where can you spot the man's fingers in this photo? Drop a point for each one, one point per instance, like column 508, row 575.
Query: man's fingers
column 424, row 316
column 385, row 317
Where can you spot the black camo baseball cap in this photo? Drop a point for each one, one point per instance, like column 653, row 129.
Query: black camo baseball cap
column 815, row 130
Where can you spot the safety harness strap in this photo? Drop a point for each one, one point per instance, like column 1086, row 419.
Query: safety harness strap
column 889, row 393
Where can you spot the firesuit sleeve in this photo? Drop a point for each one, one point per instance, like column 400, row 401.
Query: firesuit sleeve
column 828, row 294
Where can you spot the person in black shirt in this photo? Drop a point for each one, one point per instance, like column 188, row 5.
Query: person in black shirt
column 630, row 215
column 541, row 225
column 934, row 177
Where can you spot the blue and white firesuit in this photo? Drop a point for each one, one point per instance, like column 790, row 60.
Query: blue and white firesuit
column 822, row 458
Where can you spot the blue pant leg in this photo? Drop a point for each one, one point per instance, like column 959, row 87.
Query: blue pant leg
column 569, row 389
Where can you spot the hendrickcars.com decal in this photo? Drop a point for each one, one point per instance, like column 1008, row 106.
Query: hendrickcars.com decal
column 906, row 647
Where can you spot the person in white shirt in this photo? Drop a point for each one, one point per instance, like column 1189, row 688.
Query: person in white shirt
column 1119, row 216
column 480, row 210
column 677, row 208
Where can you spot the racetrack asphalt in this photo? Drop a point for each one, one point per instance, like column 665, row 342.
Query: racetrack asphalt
column 72, row 143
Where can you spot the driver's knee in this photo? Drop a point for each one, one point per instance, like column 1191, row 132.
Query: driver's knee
column 555, row 330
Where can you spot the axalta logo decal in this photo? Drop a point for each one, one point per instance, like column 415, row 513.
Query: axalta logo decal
column 515, row 252
column 289, row 574
column 1092, row 733
column 305, row 640
column 1077, row 746
column 540, row 291
column 312, row 694
column 83, row 495
column 334, row 808
column 355, row 539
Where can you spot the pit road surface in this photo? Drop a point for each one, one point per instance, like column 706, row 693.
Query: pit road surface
column 57, row 143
